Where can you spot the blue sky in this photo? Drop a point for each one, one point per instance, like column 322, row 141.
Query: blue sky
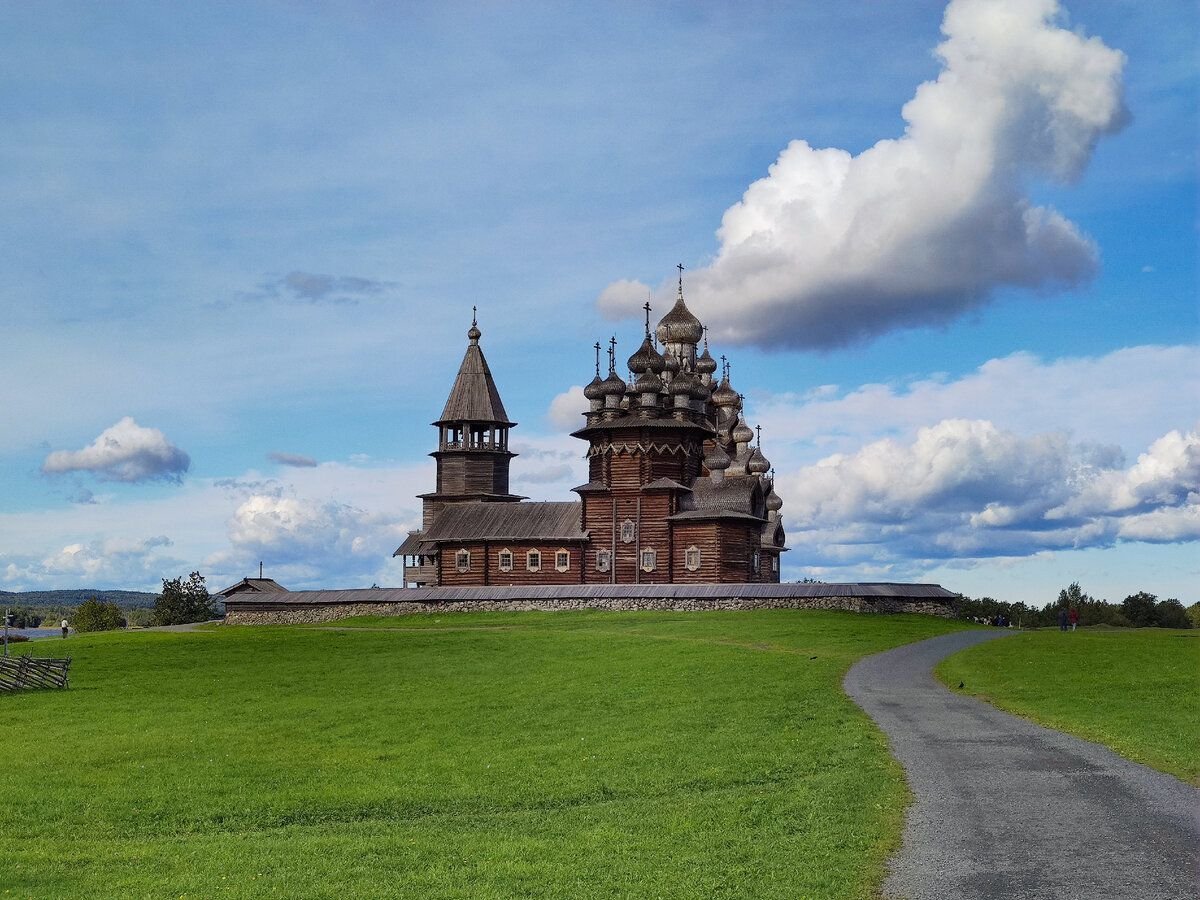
column 242, row 243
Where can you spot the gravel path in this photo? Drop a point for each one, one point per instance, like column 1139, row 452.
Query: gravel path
column 1004, row 808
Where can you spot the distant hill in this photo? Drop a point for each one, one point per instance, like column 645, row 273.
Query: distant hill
column 124, row 599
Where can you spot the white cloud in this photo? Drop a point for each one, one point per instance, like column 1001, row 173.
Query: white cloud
column 1129, row 397
column 566, row 409
column 623, row 299
column 307, row 540
column 125, row 452
column 831, row 248
column 968, row 490
column 96, row 563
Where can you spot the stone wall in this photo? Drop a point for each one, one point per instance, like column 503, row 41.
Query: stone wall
column 303, row 614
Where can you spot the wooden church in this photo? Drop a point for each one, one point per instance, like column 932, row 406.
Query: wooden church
column 678, row 489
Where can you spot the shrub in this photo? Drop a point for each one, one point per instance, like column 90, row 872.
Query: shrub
column 92, row 615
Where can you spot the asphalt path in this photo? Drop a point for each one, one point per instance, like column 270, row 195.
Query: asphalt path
column 1004, row 808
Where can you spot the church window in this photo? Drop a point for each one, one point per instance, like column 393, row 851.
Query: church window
column 755, row 561
column 462, row 560
column 533, row 560
column 603, row 560
column 505, row 560
column 774, row 563
column 649, row 560
column 562, row 560
column 691, row 558
column 628, row 531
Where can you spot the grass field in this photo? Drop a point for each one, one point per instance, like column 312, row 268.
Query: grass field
column 1134, row 690
column 564, row 755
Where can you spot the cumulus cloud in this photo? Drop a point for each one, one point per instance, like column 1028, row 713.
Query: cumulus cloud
column 623, row 298
column 831, row 247
column 566, row 409
column 309, row 538
column 295, row 460
column 125, row 452
column 965, row 489
column 95, row 563
column 1127, row 397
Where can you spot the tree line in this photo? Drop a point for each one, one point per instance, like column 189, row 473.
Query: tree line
column 181, row 601
column 1140, row 610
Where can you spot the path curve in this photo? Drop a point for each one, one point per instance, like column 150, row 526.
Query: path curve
column 1006, row 808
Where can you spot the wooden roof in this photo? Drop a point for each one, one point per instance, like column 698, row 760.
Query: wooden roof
column 254, row 586
column 541, row 521
column 628, row 422
column 735, row 493
column 593, row 592
column 474, row 397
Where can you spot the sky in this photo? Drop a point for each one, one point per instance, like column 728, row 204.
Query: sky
column 949, row 250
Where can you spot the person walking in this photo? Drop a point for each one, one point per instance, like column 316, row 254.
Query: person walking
column 1073, row 616
column 1062, row 619
column 66, row 626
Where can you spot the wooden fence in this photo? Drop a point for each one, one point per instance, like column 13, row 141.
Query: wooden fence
column 17, row 672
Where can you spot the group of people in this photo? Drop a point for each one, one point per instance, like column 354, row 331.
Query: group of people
column 1068, row 617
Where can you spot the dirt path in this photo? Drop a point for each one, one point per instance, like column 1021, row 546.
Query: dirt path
column 1005, row 808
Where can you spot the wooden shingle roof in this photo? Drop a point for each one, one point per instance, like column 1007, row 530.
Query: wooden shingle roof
column 474, row 397
column 253, row 586
column 548, row 521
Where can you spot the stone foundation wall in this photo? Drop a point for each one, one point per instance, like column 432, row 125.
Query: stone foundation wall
column 310, row 614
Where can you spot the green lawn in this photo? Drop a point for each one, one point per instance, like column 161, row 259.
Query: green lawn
column 562, row 755
column 1134, row 690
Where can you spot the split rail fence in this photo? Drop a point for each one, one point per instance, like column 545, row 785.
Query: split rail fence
column 19, row 672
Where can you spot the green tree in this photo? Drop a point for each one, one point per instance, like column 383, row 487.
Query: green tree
column 184, row 601
column 1171, row 614
column 93, row 615
column 1139, row 609
column 1193, row 612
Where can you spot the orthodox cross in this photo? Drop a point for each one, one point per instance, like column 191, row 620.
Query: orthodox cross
column 474, row 312
column 597, row 346
column 724, row 367
column 680, row 268
column 705, row 337
column 758, row 431
column 612, row 355
column 647, row 309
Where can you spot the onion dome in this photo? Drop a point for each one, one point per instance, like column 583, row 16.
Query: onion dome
column 474, row 334
column 725, row 395
column 613, row 385
column 641, row 360
column 717, row 460
column 647, row 383
column 684, row 383
column 595, row 389
column 743, row 434
column 701, row 391
column 670, row 362
column 758, row 464
column 679, row 325
column 773, row 501
column 705, row 364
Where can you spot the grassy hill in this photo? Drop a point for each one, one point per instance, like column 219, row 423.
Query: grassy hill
column 75, row 596
column 536, row 755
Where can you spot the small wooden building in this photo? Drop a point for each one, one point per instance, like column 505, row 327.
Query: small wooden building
column 679, row 491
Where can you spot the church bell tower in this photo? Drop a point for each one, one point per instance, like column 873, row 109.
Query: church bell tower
column 472, row 454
